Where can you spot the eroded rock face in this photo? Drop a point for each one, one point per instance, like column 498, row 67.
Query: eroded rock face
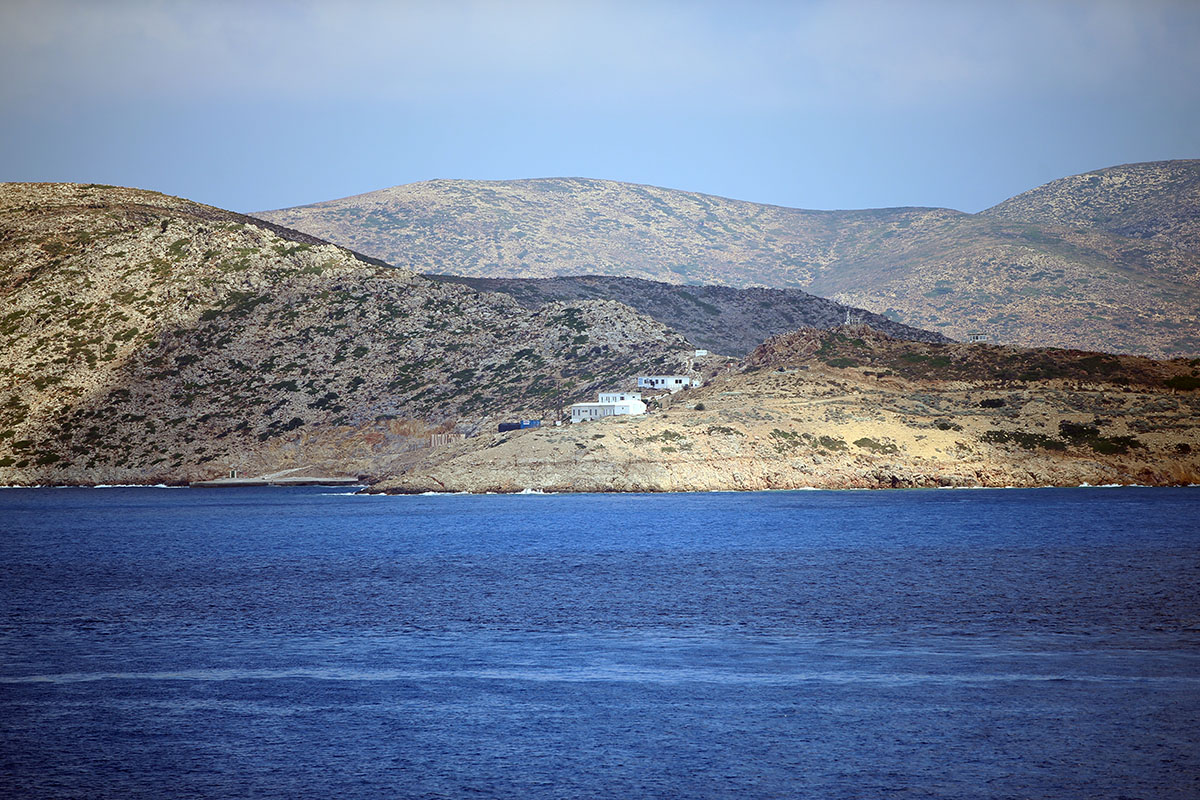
column 145, row 338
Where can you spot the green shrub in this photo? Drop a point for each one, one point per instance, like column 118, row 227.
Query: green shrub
column 724, row 430
column 1089, row 435
column 1183, row 382
column 1077, row 432
column 783, row 440
column 876, row 447
column 1114, row 445
column 1027, row 441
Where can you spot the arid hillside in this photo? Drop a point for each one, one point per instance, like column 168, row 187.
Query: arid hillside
column 719, row 318
column 146, row 338
column 853, row 409
column 1157, row 201
column 1113, row 270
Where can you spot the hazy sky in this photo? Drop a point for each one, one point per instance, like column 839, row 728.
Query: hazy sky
column 256, row 105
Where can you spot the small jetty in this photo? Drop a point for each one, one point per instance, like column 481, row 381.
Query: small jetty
column 287, row 477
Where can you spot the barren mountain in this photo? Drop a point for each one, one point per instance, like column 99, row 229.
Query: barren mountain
column 146, row 338
column 1157, row 200
column 720, row 318
column 1125, row 278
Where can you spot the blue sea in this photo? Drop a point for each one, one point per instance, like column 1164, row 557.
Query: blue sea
column 271, row 643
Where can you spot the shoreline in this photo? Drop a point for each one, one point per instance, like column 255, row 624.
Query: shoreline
column 397, row 492
column 366, row 492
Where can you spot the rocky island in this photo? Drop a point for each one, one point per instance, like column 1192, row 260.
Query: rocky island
column 149, row 339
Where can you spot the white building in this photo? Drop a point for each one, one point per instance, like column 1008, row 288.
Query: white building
column 619, row 397
column 612, row 404
column 672, row 383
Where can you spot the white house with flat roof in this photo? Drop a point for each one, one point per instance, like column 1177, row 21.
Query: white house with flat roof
column 672, row 383
column 611, row 404
column 619, row 397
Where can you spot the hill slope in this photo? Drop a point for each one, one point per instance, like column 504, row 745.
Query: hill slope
column 148, row 338
column 852, row 408
column 719, row 318
column 1157, row 200
column 1031, row 281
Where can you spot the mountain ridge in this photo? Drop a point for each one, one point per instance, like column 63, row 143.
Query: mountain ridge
column 1026, row 282
column 719, row 318
column 1103, row 198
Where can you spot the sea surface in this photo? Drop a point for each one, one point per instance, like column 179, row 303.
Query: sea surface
column 307, row 642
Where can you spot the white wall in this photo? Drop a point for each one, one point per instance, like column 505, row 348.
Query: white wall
column 670, row 382
column 619, row 397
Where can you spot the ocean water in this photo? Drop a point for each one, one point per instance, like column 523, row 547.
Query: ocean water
column 174, row 643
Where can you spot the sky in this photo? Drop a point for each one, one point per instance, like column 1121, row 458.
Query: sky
column 254, row 105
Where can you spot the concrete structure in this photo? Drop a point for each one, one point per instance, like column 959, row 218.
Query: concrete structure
column 612, row 404
column 619, row 397
column 287, row 477
column 975, row 337
column 672, row 383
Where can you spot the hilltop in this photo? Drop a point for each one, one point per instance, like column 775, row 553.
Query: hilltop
column 719, row 318
column 1157, row 201
column 1123, row 277
column 852, row 408
column 145, row 338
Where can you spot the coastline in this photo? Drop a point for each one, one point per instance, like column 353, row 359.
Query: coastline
column 367, row 490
